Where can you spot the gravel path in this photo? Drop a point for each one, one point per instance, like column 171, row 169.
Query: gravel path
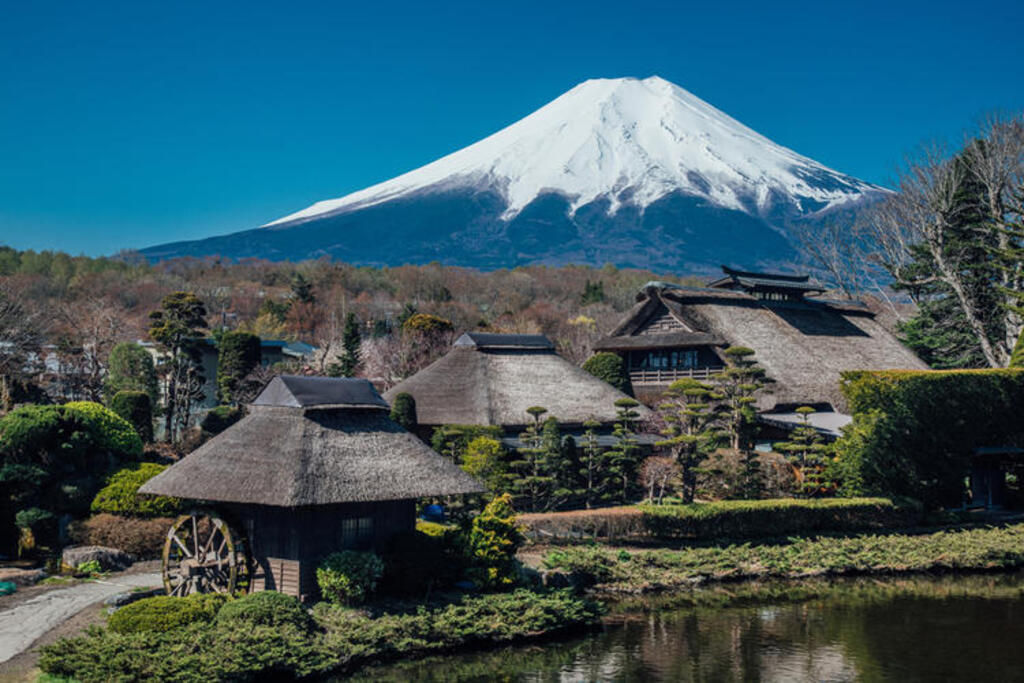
column 25, row 622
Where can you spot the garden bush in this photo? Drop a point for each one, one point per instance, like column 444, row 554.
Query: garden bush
column 610, row 368
column 774, row 518
column 346, row 639
column 266, row 608
column 403, row 411
column 913, row 432
column 143, row 538
column 135, row 407
column 130, row 367
column 347, row 577
column 220, row 418
column 492, row 542
column 121, row 494
column 163, row 612
column 54, row 458
column 238, row 354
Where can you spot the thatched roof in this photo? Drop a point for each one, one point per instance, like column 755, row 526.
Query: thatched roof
column 494, row 381
column 313, row 441
column 803, row 345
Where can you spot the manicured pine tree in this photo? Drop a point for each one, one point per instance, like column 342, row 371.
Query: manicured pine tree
column 691, row 429
column 737, row 386
column 534, row 482
column 130, row 367
column 809, row 454
column 622, row 461
column 589, row 465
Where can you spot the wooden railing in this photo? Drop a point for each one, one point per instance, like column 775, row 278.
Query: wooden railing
column 669, row 376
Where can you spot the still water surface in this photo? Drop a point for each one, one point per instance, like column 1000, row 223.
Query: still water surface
column 964, row 629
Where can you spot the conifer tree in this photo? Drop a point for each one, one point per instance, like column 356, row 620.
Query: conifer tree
column 348, row 360
column 807, row 451
column 589, row 466
column 691, row 431
column 622, row 461
column 534, row 482
column 177, row 327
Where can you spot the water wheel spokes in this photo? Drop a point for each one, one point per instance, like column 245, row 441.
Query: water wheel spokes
column 202, row 555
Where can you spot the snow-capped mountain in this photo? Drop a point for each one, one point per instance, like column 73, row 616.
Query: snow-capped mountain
column 628, row 171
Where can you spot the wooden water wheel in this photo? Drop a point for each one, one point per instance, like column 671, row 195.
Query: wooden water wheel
column 203, row 555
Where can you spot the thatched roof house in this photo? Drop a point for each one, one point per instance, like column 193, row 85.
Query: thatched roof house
column 313, row 441
column 316, row 466
column 803, row 343
column 491, row 379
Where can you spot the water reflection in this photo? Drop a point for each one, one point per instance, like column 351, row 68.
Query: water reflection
column 964, row 628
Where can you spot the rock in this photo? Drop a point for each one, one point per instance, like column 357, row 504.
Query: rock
column 22, row 577
column 122, row 599
column 110, row 559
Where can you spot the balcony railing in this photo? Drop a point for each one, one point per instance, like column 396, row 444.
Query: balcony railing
column 667, row 376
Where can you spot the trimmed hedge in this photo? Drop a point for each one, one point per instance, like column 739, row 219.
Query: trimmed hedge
column 773, row 518
column 913, row 432
column 121, row 494
column 611, row 368
column 163, row 612
column 135, row 407
column 266, row 608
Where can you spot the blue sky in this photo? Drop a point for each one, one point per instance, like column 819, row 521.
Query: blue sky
column 128, row 124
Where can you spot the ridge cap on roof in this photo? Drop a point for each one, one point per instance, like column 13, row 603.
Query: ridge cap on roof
column 311, row 391
column 765, row 275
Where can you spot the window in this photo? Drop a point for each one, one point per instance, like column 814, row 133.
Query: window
column 357, row 533
column 684, row 359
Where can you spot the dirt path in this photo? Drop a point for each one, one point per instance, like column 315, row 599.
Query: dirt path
column 26, row 621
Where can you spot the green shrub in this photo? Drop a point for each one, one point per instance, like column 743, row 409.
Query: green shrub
column 403, row 411
column 492, row 543
column 266, row 608
column 347, row 577
column 135, row 407
column 130, row 367
column 484, row 459
column 913, row 432
column 433, row 528
column 163, row 612
column 121, row 494
column 110, row 431
column 609, row 367
column 220, row 418
column 229, row 651
column 453, row 439
column 773, row 518
column 1017, row 357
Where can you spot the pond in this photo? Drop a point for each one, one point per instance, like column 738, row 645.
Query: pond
column 966, row 628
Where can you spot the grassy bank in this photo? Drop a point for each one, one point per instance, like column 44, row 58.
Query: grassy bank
column 620, row 570
column 336, row 639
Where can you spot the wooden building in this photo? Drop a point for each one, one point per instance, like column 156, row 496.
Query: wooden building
column 803, row 342
column 316, row 466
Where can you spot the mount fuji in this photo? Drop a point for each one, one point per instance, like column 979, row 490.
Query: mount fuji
column 633, row 172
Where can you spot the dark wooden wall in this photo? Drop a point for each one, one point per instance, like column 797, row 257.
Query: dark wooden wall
column 286, row 544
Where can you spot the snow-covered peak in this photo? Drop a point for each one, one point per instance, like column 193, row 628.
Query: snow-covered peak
column 630, row 141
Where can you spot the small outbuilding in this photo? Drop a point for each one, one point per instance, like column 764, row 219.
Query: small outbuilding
column 316, row 466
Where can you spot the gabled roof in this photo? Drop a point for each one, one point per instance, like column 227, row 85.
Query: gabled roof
column 297, row 391
column 803, row 345
column 314, row 453
column 495, row 383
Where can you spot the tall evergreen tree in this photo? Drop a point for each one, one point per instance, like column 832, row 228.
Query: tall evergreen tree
column 691, row 431
column 348, row 360
column 622, row 461
column 177, row 328
column 808, row 452
column 534, row 482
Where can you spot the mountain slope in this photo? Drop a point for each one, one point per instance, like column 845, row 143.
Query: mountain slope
column 632, row 172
